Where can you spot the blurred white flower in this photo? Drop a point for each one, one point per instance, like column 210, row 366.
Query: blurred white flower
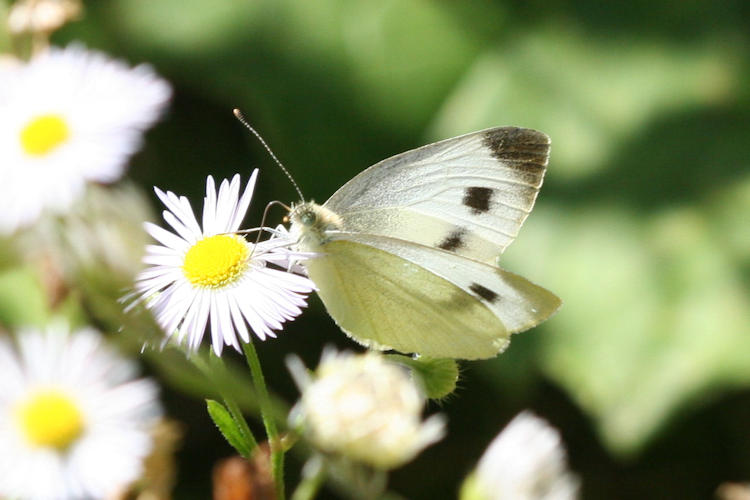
column 74, row 421
column 365, row 408
column 526, row 461
column 41, row 15
column 69, row 116
column 733, row 491
column 212, row 274
column 103, row 229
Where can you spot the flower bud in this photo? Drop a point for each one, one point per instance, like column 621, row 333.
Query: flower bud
column 367, row 409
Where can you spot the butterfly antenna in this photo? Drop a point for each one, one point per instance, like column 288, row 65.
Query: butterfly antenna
column 238, row 114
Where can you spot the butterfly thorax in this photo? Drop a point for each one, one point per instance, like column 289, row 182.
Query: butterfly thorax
column 311, row 224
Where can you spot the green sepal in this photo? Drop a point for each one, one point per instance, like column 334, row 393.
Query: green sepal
column 228, row 427
column 470, row 489
column 438, row 376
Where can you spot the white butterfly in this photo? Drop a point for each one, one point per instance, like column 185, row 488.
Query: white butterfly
column 409, row 247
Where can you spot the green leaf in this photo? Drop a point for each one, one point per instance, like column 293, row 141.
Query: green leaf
column 22, row 298
column 603, row 96
column 641, row 225
column 373, row 46
column 5, row 42
column 656, row 315
column 438, row 376
column 228, row 427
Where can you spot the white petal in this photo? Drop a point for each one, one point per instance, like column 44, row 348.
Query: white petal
column 186, row 234
column 243, row 203
column 209, row 207
column 216, row 340
column 239, row 321
column 166, row 238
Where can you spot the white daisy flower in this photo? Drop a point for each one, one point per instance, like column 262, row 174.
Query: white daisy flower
column 68, row 117
column 365, row 408
column 212, row 274
column 526, row 461
column 74, row 422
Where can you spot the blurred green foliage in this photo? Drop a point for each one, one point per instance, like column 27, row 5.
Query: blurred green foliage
column 22, row 298
column 642, row 226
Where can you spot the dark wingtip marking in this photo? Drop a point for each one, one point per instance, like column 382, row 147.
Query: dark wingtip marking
column 521, row 145
column 478, row 199
column 484, row 292
column 453, row 241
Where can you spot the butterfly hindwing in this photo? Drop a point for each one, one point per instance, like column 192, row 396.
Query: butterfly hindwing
column 390, row 293
column 468, row 195
column 385, row 302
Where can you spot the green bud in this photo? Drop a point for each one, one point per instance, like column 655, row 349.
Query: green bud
column 438, row 376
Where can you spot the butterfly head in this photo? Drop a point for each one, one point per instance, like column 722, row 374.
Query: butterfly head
column 312, row 222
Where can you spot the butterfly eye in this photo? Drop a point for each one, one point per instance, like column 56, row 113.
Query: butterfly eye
column 308, row 218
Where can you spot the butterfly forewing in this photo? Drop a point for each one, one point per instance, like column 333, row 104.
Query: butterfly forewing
column 468, row 195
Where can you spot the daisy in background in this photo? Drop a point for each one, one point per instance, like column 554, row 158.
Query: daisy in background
column 68, row 117
column 526, row 461
column 75, row 423
column 211, row 274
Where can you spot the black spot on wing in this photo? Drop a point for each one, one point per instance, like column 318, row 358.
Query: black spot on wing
column 454, row 240
column 478, row 199
column 484, row 292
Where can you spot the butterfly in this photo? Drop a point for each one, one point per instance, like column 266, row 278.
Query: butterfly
column 407, row 250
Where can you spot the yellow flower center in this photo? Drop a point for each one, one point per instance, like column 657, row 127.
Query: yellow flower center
column 43, row 134
column 50, row 418
column 216, row 261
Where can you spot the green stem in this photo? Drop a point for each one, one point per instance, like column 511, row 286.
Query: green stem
column 229, row 402
column 266, row 411
column 313, row 475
